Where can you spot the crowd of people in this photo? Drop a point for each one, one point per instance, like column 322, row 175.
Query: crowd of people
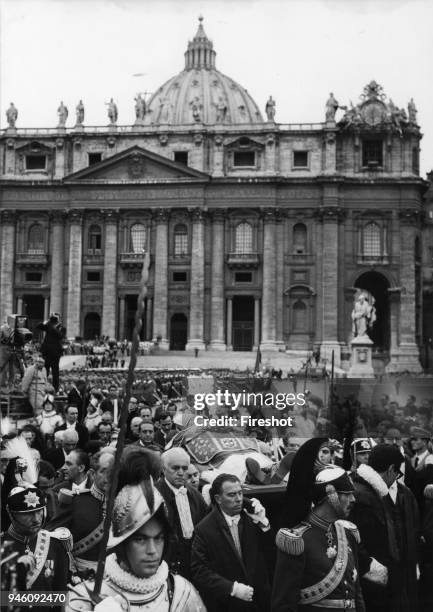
column 352, row 527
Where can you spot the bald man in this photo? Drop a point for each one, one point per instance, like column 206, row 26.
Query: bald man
column 186, row 507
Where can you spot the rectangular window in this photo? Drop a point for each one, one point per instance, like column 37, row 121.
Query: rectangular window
column 300, row 159
column 244, row 158
column 94, row 158
column 180, row 244
column 372, row 153
column 243, row 277
column 180, row 277
column 36, row 162
column 181, row 157
column 33, row 277
column 93, row 277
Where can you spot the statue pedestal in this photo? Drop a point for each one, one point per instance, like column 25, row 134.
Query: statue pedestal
column 360, row 363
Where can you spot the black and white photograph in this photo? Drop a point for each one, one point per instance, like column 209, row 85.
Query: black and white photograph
column 216, row 305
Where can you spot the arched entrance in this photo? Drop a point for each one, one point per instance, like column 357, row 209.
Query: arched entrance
column 243, row 322
column 33, row 308
column 92, row 326
column 377, row 284
column 178, row 331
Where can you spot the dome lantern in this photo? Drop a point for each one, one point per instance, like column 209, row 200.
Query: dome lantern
column 200, row 52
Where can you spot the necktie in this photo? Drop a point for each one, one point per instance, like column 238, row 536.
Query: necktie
column 184, row 511
column 235, row 534
column 416, row 462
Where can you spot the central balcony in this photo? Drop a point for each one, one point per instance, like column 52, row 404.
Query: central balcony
column 243, row 260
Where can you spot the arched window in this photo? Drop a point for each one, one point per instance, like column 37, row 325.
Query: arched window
column 36, row 239
column 180, row 240
column 137, row 238
column 371, row 240
column 299, row 238
column 95, row 237
column 244, row 238
column 299, row 316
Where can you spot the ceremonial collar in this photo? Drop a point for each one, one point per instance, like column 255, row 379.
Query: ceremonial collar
column 318, row 521
column 97, row 493
column 18, row 536
column 133, row 584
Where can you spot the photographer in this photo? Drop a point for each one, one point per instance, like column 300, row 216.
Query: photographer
column 52, row 346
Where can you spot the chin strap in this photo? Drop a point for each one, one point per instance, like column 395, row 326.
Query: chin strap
column 334, row 501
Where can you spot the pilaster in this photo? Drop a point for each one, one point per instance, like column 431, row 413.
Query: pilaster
column 110, row 274
column 161, row 280
column 217, row 284
column 73, row 325
column 196, row 315
column 7, row 253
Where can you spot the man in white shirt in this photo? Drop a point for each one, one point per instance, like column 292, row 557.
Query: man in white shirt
column 76, row 473
column 419, row 439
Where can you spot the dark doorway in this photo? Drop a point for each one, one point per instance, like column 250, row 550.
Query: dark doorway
column 243, row 323
column 33, row 308
column 178, row 332
column 378, row 286
column 92, row 326
column 131, row 309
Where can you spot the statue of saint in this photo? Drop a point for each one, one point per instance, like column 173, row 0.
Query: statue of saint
column 221, row 110
column 79, row 112
column 140, row 108
column 412, row 111
column 270, row 109
column 363, row 314
column 112, row 112
column 165, row 110
column 12, row 115
column 63, row 113
column 195, row 106
column 331, row 108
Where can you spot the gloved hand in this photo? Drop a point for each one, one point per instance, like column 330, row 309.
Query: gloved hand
column 242, row 591
column 259, row 515
column 110, row 604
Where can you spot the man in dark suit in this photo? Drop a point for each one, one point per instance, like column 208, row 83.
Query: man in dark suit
column 227, row 562
column 52, row 346
column 71, row 417
column 76, row 471
column 186, row 507
column 57, row 456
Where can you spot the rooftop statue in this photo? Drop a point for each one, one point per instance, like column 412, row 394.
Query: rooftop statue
column 63, row 113
column 112, row 112
column 79, row 112
column 11, row 115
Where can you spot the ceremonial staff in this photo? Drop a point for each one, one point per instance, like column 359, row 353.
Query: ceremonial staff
column 123, row 422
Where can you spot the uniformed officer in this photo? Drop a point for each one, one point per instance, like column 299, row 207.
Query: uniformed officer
column 317, row 567
column 83, row 513
column 43, row 563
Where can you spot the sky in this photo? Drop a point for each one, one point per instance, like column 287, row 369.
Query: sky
column 298, row 51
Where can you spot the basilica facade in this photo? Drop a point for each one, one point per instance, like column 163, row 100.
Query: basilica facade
column 259, row 233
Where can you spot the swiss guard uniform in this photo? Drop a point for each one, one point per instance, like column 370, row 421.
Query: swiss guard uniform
column 83, row 514
column 317, row 565
column 43, row 563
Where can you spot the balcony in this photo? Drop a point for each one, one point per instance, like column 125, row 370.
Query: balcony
column 243, row 260
column 131, row 260
column 33, row 258
column 372, row 260
column 93, row 256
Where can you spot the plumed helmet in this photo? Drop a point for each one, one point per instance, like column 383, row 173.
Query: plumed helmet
column 329, row 482
column 362, row 445
column 25, row 499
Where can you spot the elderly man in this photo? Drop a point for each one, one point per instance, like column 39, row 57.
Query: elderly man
column 57, row 456
column 186, row 506
column 133, row 435
column 227, row 561
column 71, row 422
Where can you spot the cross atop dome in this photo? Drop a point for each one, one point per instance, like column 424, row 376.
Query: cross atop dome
column 200, row 53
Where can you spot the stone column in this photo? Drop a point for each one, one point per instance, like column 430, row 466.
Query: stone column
column 73, row 321
column 160, row 291
column 196, row 312
column 59, row 171
column 279, row 281
column 270, row 154
column 20, row 304
column 330, row 217
column 256, row 323
column 47, row 308
column 121, row 330
column 269, row 281
column 57, row 262
column 329, row 144
column 407, row 357
column 229, row 338
column 217, row 282
column 149, row 318
column 7, row 254
column 109, row 300
column 10, row 157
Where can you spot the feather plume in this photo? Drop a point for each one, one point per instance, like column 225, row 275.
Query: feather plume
column 18, row 448
column 140, row 467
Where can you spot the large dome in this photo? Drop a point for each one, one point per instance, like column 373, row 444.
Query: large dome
column 200, row 93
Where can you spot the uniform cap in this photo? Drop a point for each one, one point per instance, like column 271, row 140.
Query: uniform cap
column 362, row 445
column 26, row 499
column 420, row 432
column 331, row 480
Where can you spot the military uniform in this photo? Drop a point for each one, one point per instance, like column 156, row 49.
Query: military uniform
column 83, row 514
column 316, row 567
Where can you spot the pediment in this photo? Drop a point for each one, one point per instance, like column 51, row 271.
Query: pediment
column 137, row 164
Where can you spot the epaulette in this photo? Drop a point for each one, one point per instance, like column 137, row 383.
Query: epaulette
column 65, row 496
column 64, row 536
column 428, row 491
column 353, row 529
column 290, row 541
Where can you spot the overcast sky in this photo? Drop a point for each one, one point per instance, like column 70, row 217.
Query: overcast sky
column 296, row 50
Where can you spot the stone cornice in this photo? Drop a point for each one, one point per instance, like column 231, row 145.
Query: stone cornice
column 328, row 214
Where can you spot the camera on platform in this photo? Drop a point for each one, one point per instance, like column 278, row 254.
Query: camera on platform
column 20, row 334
